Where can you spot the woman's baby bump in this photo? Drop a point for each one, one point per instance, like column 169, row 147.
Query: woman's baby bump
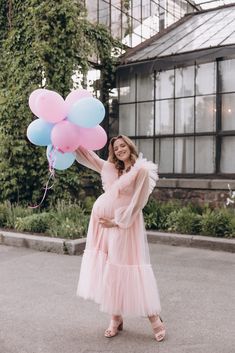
column 106, row 204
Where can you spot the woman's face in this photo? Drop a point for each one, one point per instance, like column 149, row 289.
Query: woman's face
column 121, row 150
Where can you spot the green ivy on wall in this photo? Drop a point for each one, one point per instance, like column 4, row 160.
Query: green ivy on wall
column 42, row 43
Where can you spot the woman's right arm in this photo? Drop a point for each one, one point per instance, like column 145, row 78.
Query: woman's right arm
column 89, row 159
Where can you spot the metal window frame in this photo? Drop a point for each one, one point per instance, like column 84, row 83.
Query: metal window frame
column 218, row 134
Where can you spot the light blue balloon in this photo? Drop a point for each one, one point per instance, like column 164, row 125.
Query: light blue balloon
column 87, row 112
column 59, row 160
column 39, row 132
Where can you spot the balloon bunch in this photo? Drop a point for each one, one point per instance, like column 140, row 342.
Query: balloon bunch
column 64, row 125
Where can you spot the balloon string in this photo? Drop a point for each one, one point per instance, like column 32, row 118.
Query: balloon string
column 45, row 192
column 52, row 160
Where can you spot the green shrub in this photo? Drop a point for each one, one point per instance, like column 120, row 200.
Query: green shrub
column 35, row 223
column 16, row 211
column 217, row 223
column 10, row 212
column 69, row 229
column 70, row 210
column 156, row 213
column 184, row 221
column 69, row 220
column 4, row 210
column 196, row 208
column 232, row 223
column 151, row 214
column 88, row 203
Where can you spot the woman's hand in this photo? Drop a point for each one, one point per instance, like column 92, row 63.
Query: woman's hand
column 107, row 223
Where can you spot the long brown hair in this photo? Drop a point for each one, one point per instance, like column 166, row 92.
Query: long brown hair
column 119, row 165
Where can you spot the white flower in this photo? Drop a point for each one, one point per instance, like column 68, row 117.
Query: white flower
column 228, row 201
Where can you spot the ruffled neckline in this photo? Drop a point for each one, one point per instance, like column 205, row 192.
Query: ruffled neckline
column 111, row 180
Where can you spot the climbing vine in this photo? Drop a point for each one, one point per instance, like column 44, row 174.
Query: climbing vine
column 42, row 44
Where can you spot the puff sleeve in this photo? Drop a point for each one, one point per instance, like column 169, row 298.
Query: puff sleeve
column 89, row 159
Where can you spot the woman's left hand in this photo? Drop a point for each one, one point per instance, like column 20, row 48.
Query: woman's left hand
column 107, row 223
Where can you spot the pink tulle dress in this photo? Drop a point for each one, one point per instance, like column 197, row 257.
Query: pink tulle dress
column 116, row 272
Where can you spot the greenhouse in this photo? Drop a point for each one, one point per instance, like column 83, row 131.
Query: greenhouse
column 176, row 99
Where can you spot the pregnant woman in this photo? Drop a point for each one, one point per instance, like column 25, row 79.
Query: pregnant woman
column 116, row 272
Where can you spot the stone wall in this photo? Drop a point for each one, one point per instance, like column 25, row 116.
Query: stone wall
column 199, row 191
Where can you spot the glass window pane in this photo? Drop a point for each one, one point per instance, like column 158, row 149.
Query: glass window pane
column 92, row 10
column 208, row 85
column 145, row 87
column 127, row 88
column 164, row 155
column 145, row 146
column 228, row 111
column 227, row 164
column 127, row 119
column 145, row 118
column 184, row 148
column 184, row 115
column 164, row 117
column 205, row 154
column 205, row 113
column 165, row 84
column 184, row 81
column 104, row 13
column 227, row 69
column 116, row 18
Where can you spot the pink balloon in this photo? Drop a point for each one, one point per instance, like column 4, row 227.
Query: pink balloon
column 50, row 106
column 64, row 136
column 33, row 99
column 93, row 138
column 74, row 96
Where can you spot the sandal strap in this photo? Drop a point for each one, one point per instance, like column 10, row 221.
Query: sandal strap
column 113, row 328
column 158, row 329
column 158, row 326
column 114, row 324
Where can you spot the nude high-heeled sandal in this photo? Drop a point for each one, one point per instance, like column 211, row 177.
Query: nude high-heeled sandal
column 159, row 329
column 114, row 327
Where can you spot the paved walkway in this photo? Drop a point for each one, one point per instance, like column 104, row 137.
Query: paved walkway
column 39, row 312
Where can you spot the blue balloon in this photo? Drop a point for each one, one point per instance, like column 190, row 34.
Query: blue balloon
column 87, row 112
column 59, row 160
column 39, row 132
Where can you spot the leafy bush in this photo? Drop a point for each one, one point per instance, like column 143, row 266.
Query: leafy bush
column 88, row 203
column 184, row 221
column 69, row 229
column 217, row 223
column 151, row 212
column 232, row 223
column 17, row 211
column 70, row 210
column 156, row 214
column 36, row 223
column 196, row 208
column 68, row 220
column 10, row 212
column 3, row 214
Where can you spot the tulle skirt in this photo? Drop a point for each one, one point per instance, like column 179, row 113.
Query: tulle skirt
column 116, row 272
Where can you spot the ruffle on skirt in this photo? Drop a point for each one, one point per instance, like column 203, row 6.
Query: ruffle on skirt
column 128, row 290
